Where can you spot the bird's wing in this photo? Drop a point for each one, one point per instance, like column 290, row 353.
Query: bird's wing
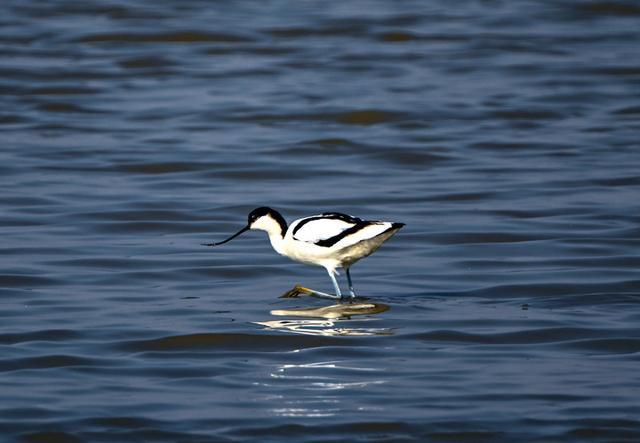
column 319, row 228
column 361, row 232
column 333, row 228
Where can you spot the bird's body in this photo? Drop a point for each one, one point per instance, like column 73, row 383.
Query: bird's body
column 331, row 240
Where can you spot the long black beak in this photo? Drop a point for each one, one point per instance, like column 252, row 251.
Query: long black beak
column 246, row 228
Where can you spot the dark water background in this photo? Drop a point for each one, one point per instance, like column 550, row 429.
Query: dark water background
column 504, row 134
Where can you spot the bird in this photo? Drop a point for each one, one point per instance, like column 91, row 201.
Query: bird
column 332, row 240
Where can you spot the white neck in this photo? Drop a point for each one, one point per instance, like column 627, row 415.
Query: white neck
column 274, row 230
column 277, row 241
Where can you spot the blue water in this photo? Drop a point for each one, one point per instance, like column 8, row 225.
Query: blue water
column 504, row 134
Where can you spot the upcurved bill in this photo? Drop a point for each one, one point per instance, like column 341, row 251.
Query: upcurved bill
column 246, row 228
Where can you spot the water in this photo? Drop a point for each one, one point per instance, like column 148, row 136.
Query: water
column 504, row 134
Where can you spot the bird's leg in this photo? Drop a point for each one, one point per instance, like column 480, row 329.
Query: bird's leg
column 351, row 291
column 319, row 294
column 297, row 290
column 301, row 290
column 335, row 283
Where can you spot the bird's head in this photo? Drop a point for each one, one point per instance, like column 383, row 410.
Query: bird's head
column 267, row 219
column 263, row 219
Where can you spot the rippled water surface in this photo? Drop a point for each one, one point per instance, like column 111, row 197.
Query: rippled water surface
column 504, row 134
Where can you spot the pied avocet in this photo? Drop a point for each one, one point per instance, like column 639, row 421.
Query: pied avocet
column 331, row 240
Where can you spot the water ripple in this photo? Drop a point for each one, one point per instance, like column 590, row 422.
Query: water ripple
column 504, row 134
column 239, row 342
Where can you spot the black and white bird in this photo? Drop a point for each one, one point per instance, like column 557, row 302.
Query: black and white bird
column 331, row 240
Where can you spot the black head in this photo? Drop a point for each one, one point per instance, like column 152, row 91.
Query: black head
column 260, row 212
column 266, row 211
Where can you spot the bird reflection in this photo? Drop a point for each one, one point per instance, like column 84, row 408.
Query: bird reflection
column 320, row 388
column 328, row 327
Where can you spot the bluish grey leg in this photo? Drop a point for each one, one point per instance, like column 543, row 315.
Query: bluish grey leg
column 351, row 291
column 297, row 290
column 302, row 290
column 335, row 283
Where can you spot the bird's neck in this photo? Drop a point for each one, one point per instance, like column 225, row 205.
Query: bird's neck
column 276, row 226
column 277, row 241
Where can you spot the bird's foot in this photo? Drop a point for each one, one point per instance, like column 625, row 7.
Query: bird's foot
column 295, row 292
column 301, row 290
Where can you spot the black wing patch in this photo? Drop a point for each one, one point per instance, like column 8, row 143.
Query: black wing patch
column 352, row 230
column 328, row 242
column 327, row 216
column 341, row 216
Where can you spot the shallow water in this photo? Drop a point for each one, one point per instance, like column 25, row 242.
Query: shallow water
column 504, row 134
